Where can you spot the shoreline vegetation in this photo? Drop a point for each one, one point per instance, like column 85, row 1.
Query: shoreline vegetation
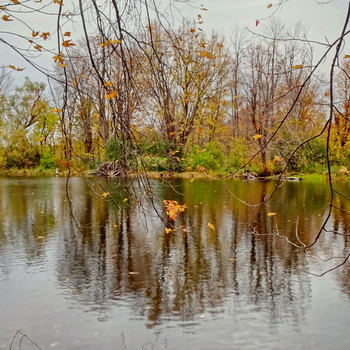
column 339, row 175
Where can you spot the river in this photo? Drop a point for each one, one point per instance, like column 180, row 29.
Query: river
column 96, row 270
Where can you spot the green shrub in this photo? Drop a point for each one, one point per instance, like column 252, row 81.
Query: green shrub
column 210, row 157
column 155, row 163
column 47, row 159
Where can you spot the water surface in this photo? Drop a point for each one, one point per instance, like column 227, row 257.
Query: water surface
column 119, row 282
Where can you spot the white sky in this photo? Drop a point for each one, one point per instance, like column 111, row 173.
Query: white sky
column 223, row 16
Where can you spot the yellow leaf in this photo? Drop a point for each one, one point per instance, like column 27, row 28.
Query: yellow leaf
column 277, row 159
column 173, row 208
column 105, row 194
column 67, row 43
column 58, row 58
column 347, row 56
column 38, row 47
column 15, row 68
column 206, row 54
column 168, row 230
column 107, row 83
column 192, row 180
column 67, row 34
column 62, row 65
column 298, row 66
column 6, row 18
column 111, row 95
column 45, row 35
column 258, row 136
column 96, row 115
column 211, row 226
column 125, row 200
column 109, row 42
column 271, row 214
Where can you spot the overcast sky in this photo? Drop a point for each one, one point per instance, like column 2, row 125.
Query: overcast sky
column 322, row 21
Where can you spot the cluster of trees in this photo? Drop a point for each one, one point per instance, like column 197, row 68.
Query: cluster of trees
column 178, row 99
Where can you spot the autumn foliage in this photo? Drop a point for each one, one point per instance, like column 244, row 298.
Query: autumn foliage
column 173, row 209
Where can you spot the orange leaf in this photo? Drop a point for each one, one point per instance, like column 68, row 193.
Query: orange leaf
column 58, row 2
column 45, row 35
column 67, row 43
column 15, row 1
column 67, row 34
column 269, row 6
column 58, row 58
column 111, row 95
column 206, row 54
column 6, row 18
column 35, row 34
column 109, row 42
column 107, row 83
column 38, row 47
column 15, row 68
column 173, row 208
column 347, row 56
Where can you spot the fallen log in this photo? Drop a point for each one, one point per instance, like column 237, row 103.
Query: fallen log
column 109, row 169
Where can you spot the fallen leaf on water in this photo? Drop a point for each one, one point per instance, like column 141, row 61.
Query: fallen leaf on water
column 168, row 230
column 211, row 226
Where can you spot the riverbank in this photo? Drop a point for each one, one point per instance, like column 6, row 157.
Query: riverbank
column 37, row 172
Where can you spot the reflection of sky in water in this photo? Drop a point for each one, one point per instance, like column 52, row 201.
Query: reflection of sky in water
column 117, row 285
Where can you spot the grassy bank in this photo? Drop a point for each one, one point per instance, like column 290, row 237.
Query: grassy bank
column 309, row 177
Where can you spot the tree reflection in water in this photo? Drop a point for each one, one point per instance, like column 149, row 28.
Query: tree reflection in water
column 121, row 257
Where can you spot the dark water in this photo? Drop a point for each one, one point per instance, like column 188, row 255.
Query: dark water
column 121, row 283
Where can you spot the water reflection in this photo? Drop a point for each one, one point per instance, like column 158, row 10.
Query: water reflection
column 121, row 257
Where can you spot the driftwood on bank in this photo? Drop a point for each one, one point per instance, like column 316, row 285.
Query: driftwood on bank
column 110, row 169
column 248, row 175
